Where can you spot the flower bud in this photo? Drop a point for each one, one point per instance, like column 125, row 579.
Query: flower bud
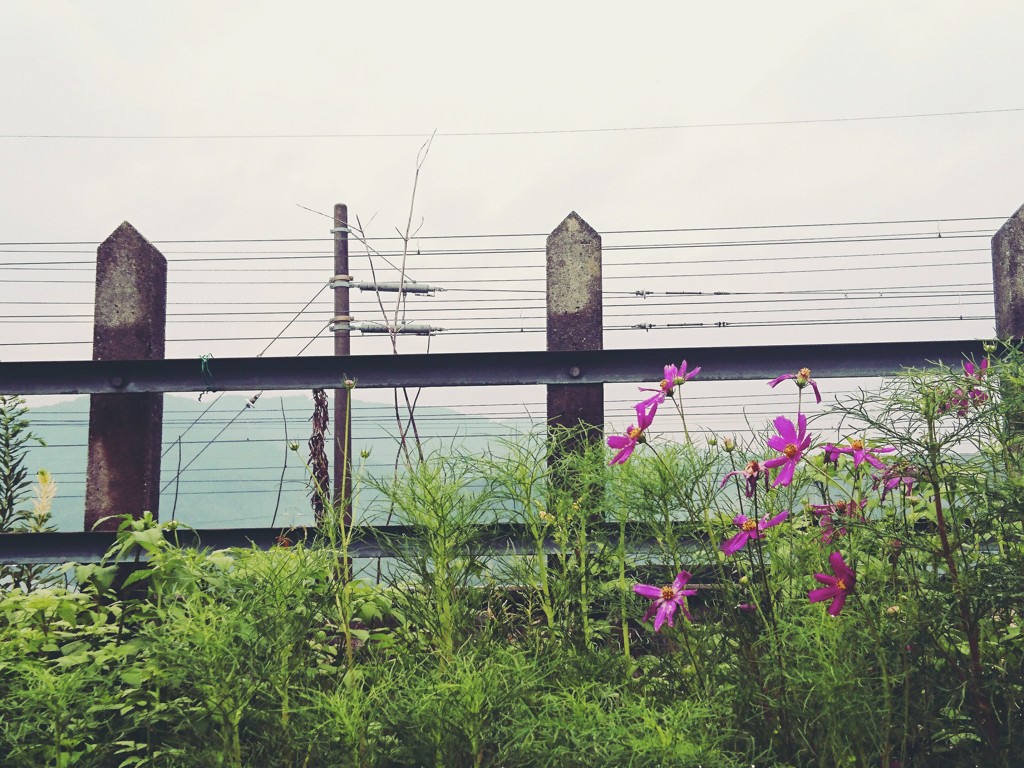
column 728, row 444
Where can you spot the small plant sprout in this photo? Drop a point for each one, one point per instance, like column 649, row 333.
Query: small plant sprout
column 667, row 599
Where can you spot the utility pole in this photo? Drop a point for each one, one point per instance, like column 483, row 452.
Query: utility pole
column 342, row 347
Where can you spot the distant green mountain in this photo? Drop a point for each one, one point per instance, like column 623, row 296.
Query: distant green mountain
column 235, row 466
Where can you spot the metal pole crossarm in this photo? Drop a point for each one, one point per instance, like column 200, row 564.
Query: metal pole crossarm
column 473, row 368
column 409, row 329
column 420, row 288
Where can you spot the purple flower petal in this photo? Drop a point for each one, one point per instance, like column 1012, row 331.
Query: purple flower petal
column 648, row 591
column 785, row 429
column 736, row 543
column 837, row 603
column 822, row 593
column 841, row 569
column 774, row 520
column 665, row 614
column 681, row 580
column 785, row 476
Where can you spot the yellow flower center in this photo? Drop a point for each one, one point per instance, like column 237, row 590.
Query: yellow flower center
column 857, row 445
column 667, row 593
column 804, row 373
column 634, row 433
column 665, row 385
column 750, row 525
column 840, row 584
column 791, row 451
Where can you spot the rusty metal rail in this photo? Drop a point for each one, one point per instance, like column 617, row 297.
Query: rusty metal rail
column 471, row 368
column 368, row 541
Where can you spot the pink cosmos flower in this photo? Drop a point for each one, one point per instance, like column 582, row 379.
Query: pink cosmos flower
column 831, row 454
column 753, row 472
column 860, row 453
column 791, row 442
column 831, row 516
column 625, row 444
column 750, row 529
column 957, row 402
column 976, row 396
column 674, row 377
column 802, row 379
column 976, row 372
column 666, row 599
column 894, row 476
column 837, row 587
column 961, row 400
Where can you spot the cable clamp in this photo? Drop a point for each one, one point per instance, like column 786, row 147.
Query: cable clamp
column 342, row 230
column 341, row 323
column 340, row 281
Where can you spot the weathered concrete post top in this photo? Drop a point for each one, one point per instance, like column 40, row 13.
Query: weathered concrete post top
column 1008, row 277
column 575, row 319
column 125, row 431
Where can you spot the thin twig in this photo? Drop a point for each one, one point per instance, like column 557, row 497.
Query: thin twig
column 284, row 468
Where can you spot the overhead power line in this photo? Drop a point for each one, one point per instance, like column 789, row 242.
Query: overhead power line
column 503, row 235
column 527, row 132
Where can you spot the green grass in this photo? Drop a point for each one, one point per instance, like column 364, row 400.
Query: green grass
column 459, row 657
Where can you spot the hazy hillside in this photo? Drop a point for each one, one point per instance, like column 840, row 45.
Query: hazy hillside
column 239, row 473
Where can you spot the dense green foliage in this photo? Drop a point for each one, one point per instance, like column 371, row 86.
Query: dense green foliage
column 460, row 656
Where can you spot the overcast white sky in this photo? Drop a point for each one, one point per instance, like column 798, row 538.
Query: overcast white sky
column 242, row 69
column 201, row 68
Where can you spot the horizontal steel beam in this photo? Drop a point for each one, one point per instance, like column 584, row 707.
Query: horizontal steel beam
column 471, row 369
column 368, row 541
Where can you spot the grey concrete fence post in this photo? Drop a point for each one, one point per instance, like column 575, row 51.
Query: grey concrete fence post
column 1008, row 277
column 125, row 430
column 575, row 321
column 1008, row 297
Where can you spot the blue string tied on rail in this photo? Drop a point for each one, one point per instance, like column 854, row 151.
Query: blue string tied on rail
column 204, row 363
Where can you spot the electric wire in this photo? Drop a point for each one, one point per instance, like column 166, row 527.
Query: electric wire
column 729, row 228
column 522, row 132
